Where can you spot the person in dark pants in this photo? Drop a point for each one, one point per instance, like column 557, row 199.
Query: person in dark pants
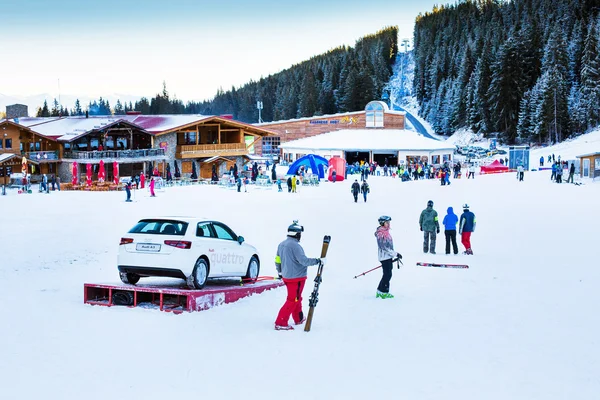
column 128, row 190
column 289, row 184
column 571, row 173
column 429, row 226
column 450, row 221
column 364, row 188
column 333, row 176
column 355, row 190
column 386, row 254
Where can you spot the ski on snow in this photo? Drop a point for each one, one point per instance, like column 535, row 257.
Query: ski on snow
column 459, row 266
column 314, row 296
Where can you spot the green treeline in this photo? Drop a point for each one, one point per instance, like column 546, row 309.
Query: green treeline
column 343, row 79
column 526, row 69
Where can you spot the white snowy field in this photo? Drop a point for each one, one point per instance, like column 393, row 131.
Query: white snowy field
column 521, row 323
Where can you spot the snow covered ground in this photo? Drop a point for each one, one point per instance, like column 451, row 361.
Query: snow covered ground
column 521, row 323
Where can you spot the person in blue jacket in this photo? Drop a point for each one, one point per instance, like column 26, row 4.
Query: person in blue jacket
column 450, row 221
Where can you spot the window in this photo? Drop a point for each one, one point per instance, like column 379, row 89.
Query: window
column 160, row 227
column 270, row 145
column 0, row 144
column 374, row 114
column 223, row 232
column 8, row 143
column 204, row 230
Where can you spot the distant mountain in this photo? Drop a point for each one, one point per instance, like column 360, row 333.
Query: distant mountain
column 67, row 100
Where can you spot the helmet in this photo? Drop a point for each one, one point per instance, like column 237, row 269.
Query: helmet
column 430, row 203
column 383, row 219
column 465, row 206
column 295, row 229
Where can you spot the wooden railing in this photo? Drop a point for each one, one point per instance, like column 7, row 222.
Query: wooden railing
column 114, row 154
column 42, row 155
column 208, row 150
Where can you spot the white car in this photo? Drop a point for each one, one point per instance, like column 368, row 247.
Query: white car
column 193, row 249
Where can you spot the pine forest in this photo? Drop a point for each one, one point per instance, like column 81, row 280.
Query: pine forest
column 523, row 70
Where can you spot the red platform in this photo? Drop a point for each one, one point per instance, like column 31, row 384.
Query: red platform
column 176, row 297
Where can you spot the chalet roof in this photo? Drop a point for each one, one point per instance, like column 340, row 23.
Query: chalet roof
column 70, row 128
column 7, row 156
column 338, row 115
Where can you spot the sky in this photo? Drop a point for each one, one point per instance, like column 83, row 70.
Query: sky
column 130, row 47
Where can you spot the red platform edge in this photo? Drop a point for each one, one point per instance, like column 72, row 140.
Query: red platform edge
column 176, row 300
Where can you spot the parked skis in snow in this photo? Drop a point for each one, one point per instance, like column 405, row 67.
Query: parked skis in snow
column 314, row 296
column 459, row 266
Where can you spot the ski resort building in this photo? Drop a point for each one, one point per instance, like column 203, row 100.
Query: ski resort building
column 589, row 165
column 137, row 143
column 375, row 134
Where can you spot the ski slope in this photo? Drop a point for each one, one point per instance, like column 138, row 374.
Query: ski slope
column 520, row 323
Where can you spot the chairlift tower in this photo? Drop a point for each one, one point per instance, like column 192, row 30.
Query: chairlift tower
column 259, row 106
column 405, row 45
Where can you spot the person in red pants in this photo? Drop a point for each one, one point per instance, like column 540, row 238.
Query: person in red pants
column 466, row 227
column 292, row 265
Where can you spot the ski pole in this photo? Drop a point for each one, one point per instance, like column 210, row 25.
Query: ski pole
column 366, row 272
column 395, row 260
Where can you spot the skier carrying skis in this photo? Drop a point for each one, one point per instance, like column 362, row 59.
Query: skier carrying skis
column 386, row 253
column 449, row 222
column 466, row 227
column 291, row 264
column 364, row 188
column 355, row 190
column 430, row 227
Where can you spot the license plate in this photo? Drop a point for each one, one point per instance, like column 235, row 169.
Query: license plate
column 147, row 247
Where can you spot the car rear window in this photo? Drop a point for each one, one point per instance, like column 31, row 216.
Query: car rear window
column 160, row 227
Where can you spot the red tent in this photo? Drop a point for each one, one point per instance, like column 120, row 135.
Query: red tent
column 74, row 173
column 116, row 172
column 88, row 174
column 101, row 172
column 494, row 168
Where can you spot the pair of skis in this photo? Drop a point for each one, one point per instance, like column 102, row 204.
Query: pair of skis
column 314, row 296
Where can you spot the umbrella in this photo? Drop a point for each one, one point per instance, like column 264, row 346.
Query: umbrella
column 177, row 173
column 194, row 175
column 24, row 166
column 142, row 180
column 88, row 175
column 74, row 173
column 116, row 172
column 101, row 172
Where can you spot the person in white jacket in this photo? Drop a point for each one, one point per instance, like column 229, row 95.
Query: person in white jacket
column 471, row 171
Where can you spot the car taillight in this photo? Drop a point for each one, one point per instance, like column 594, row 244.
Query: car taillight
column 125, row 241
column 180, row 244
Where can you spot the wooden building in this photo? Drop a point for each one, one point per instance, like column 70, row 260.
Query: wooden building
column 138, row 143
column 376, row 115
column 589, row 165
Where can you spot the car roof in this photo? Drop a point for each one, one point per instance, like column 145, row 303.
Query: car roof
column 177, row 217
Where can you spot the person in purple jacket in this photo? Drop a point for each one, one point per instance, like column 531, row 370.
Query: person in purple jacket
column 450, row 221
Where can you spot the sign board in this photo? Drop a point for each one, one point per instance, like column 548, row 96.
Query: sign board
column 163, row 145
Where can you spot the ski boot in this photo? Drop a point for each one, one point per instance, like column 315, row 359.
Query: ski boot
column 382, row 295
column 284, row 328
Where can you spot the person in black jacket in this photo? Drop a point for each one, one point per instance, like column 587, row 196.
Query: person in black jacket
column 355, row 190
column 364, row 188
column 571, row 173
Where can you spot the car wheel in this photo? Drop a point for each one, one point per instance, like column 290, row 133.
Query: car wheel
column 253, row 269
column 199, row 275
column 128, row 278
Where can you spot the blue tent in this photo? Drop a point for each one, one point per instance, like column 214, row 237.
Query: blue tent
column 317, row 164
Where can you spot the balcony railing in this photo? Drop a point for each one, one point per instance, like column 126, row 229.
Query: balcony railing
column 114, row 154
column 204, row 150
column 41, row 155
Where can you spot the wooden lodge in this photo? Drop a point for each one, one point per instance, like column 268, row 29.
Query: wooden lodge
column 138, row 143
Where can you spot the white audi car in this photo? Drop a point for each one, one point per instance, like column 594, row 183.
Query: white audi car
column 193, row 249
